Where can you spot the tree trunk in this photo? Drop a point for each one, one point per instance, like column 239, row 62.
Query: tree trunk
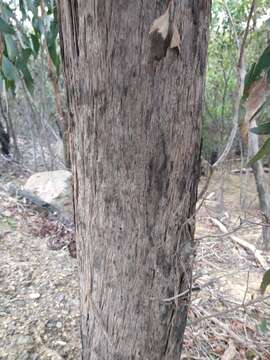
column 262, row 186
column 4, row 140
column 135, row 121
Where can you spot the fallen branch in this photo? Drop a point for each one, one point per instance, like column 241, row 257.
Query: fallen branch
column 242, row 307
column 244, row 171
column 246, row 245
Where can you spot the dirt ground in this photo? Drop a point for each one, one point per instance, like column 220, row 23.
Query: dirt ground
column 39, row 303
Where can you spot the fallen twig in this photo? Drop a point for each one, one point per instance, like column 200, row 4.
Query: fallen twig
column 252, row 248
column 260, row 299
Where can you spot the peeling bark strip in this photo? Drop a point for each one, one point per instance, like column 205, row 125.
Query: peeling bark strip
column 136, row 148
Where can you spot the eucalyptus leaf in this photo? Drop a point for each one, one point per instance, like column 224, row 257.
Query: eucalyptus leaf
column 263, row 129
column 263, row 62
column 25, row 54
column 249, row 79
column 11, row 46
column 22, row 8
column 6, row 11
column 9, row 70
column 265, row 281
column 52, row 33
column 27, row 77
column 264, row 150
column 55, row 57
column 263, row 326
column 5, row 27
column 10, row 85
column 35, row 39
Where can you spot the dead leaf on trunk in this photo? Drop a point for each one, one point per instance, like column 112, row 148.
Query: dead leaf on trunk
column 175, row 40
column 162, row 24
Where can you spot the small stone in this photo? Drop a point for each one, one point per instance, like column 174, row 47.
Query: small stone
column 24, row 340
column 19, row 303
column 60, row 343
column 34, row 296
column 60, row 297
column 58, row 324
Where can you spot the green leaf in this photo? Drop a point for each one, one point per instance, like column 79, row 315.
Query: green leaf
column 6, row 11
column 26, row 53
column 267, row 23
column 33, row 6
column 38, row 25
column 5, row 27
column 264, row 150
column 256, row 70
column 263, row 326
column 27, row 77
column 265, row 281
column 22, row 8
column 11, row 46
column 10, row 85
column 263, row 62
column 35, row 38
column 263, row 129
column 1, row 83
column 55, row 57
column 9, row 69
column 249, row 79
column 52, row 33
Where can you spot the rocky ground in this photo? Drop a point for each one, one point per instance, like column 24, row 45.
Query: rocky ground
column 39, row 303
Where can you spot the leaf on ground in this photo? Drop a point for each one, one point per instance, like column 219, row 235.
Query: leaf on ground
column 265, row 281
column 230, row 353
column 263, row 326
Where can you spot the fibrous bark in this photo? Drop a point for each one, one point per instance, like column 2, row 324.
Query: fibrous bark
column 135, row 130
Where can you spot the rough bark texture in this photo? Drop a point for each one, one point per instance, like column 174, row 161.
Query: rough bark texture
column 136, row 130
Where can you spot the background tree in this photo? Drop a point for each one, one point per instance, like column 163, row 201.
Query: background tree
column 135, row 113
column 30, row 60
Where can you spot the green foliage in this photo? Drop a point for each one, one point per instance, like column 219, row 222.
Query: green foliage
column 222, row 61
column 264, row 150
column 265, row 281
column 24, row 32
column 256, row 72
column 263, row 129
column 9, row 71
column 5, row 27
column 257, row 69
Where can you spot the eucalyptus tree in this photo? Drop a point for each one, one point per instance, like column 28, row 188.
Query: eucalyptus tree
column 135, row 77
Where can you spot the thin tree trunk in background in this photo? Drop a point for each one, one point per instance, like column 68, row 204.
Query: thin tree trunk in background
column 62, row 120
column 10, row 128
column 136, row 133
column 262, row 187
